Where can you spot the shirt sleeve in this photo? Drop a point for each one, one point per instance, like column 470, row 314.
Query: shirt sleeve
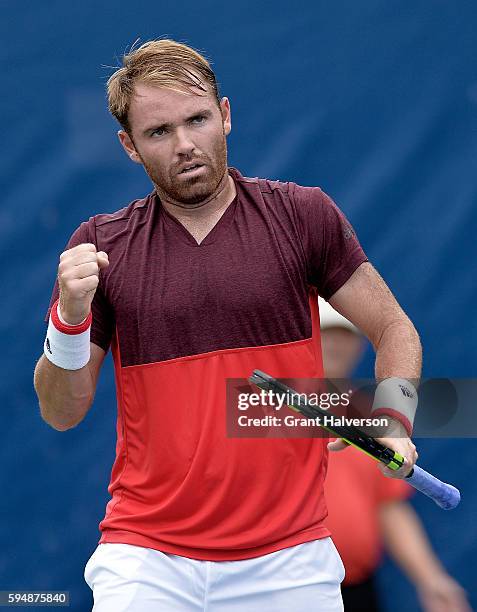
column 103, row 317
column 332, row 250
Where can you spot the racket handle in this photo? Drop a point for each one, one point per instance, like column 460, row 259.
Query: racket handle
column 445, row 495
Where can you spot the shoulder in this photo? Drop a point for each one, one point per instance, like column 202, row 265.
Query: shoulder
column 300, row 199
column 113, row 226
column 261, row 184
column 298, row 193
column 137, row 208
column 303, row 193
column 108, row 228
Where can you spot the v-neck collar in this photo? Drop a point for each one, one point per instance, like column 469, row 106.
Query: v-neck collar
column 183, row 233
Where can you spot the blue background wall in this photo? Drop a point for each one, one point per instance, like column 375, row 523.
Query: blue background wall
column 375, row 102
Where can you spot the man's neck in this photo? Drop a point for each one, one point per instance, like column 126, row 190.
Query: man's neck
column 224, row 196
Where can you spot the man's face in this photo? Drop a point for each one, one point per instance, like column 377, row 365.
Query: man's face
column 171, row 131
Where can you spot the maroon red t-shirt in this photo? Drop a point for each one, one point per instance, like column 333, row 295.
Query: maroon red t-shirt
column 181, row 318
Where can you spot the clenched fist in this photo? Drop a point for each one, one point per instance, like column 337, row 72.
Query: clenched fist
column 78, row 278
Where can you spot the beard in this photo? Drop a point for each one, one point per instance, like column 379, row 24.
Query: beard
column 195, row 189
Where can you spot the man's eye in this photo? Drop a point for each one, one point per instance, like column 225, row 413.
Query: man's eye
column 198, row 119
column 158, row 132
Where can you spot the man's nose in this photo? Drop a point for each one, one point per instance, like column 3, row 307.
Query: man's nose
column 184, row 144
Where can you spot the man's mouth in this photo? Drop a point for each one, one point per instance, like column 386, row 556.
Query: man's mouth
column 190, row 168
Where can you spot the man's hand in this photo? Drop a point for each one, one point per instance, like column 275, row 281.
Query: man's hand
column 397, row 440
column 442, row 593
column 337, row 445
column 78, row 278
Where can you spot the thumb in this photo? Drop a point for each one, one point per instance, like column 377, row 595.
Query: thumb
column 102, row 259
column 337, row 445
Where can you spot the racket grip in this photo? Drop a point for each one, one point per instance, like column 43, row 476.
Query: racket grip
column 445, row 495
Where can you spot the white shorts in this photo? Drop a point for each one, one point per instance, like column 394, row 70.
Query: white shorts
column 300, row 578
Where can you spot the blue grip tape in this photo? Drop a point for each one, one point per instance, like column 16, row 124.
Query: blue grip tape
column 445, row 495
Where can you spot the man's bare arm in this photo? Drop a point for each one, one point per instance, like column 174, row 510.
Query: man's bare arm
column 408, row 544
column 366, row 301
column 65, row 396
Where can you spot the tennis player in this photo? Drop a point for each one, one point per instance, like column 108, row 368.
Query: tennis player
column 210, row 276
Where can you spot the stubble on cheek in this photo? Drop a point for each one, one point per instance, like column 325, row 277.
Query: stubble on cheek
column 193, row 190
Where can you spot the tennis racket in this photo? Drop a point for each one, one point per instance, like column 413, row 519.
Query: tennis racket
column 445, row 495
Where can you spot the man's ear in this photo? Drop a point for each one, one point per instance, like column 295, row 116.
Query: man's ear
column 128, row 146
column 226, row 115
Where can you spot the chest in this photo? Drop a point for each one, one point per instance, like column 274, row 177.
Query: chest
column 181, row 286
column 199, row 228
column 243, row 285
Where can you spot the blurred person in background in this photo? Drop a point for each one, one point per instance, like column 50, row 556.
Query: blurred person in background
column 367, row 511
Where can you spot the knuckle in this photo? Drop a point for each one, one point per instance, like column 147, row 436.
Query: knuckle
column 92, row 268
column 92, row 279
column 63, row 275
column 86, row 258
column 84, row 247
column 68, row 284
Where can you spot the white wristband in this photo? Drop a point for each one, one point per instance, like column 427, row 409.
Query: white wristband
column 67, row 346
column 397, row 398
